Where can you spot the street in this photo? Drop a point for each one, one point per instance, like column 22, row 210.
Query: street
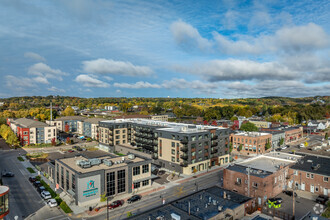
column 24, row 200
column 170, row 194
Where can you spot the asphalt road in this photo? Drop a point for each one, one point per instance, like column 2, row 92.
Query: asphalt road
column 170, row 194
column 24, row 200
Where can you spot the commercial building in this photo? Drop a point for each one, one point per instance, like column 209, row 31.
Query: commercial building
column 250, row 142
column 85, row 180
column 150, row 117
column 89, row 127
column 4, row 201
column 292, row 134
column 311, row 174
column 30, row 131
column 277, row 138
column 260, row 177
column 67, row 123
column 261, row 124
column 183, row 148
column 213, row 203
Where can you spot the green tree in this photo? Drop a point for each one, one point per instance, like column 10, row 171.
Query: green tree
column 240, row 147
column 249, row 127
column 68, row 111
column 268, row 145
column 281, row 141
column 326, row 136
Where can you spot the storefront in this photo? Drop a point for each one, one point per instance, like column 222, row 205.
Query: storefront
column 4, row 201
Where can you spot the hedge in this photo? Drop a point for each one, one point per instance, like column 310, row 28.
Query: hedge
column 30, row 170
column 20, row 158
column 47, row 187
column 65, row 207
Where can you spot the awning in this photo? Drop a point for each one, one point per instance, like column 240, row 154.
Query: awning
column 146, row 178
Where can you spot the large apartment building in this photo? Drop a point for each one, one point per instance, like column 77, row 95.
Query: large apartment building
column 250, row 142
column 30, row 131
column 183, row 148
column 89, row 127
column 67, row 123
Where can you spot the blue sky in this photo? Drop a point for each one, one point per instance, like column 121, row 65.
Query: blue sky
column 221, row 49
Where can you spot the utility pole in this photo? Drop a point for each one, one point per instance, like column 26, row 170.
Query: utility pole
column 248, row 181
column 293, row 198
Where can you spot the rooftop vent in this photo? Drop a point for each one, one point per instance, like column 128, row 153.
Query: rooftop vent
column 131, row 156
column 107, row 162
column 316, row 167
column 95, row 161
column 84, row 163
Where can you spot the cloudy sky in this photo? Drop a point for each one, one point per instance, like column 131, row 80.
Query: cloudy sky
column 221, row 49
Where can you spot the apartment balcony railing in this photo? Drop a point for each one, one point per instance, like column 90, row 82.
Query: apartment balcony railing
column 184, row 149
column 184, row 164
column 214, row 137
column 184, row 157
column 184, row 141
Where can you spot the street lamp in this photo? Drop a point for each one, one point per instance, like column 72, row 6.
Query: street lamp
column 108, row 198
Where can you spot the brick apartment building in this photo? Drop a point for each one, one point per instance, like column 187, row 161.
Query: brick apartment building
column 311, row 174
column 291, row 133
column 251, row 142
column 260, row 177
column 30, row 131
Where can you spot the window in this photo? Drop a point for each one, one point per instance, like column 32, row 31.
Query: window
column 57, row 174
column 145, row 182
column 124, row 136
column 239, row 181
column 325, row 179
column 67, row 180
column 73, row 182
column 316, row 188
column 312, row 176
column 307, row 175
column 137, row 185
column 62, row 177
column 145, row 168
column 173, row 144
column 121, row 181
column 25, row 132
column 275, row 180
column 173, row 151
column 136, row 171
column 200, row 151
column 255, row 185
column 117, row 136
column 117, row 142
column 173, row 137
column 49, row 130
column 173, row 159
column 117, row 131
column 193, row 138
column 177, row 144
column 295, row 172
column 124, row 131
column 200, row 137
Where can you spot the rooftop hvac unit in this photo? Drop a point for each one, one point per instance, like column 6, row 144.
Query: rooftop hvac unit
column 107, row 162
column 84, row 164
column 131, row 156
column 94, row 161
column 175, row 216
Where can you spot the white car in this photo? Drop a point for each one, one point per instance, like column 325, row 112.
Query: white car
column 46, row 195
column 284, row 147
column 52, row 203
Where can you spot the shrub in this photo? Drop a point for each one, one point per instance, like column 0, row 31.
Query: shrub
column 65, row 207
column 30, row 170
column 58, row 199
column 103, row 197
column 20, row 158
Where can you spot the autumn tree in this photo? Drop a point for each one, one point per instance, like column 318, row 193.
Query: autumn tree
column 68, row 111
column 249, row 127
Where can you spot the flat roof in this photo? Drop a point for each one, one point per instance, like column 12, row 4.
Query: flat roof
column 203, row 204
column 166, row 126
column 72, row 163
column 251, row 134
column 314, row 164
column 75, row 117
column 29, row 123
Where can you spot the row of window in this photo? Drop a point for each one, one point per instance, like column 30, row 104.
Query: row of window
column 67, row 184
column 138, row 184
column 137, row 170
column 111, row 182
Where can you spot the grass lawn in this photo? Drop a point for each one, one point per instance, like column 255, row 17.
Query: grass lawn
column 20, row 159
column 30, row 170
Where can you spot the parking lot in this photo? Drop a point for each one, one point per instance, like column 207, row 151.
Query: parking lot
column 302, row 205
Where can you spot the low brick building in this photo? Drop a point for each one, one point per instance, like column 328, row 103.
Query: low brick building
column 261, row 177
column 311, row 174
column 292, row 134
column 251, row 142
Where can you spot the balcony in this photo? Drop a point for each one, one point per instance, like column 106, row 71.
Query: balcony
column 214, row 137
column 214, row 151
column 155, row 149
column 184, row 149
column 193, row 149
column 193, row 157
column 206, row 154
column 184, row 157
column 214, row 144
column 184, row 164
column 206, row 147
column 184, row 141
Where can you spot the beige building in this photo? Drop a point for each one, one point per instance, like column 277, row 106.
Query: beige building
column 261, row 124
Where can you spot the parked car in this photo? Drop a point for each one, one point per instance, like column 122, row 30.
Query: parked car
column 161, row 172
column 45, row 195
column 70, row 151
column 41, row 189
column 134, row 198
column 32, row 179
column 115, row 204
column 289, row 193
column 37, row 184
column 284, row 147
column 52, row 203
column 322, row 199
column 79, row 149
column 8, row 174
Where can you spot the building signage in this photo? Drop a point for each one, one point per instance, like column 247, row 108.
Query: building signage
column 91, row 190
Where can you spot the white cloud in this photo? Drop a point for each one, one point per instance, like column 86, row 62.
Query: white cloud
column 34, row 56
column 104, row 66
column 118, row 91
column 188, row 37
column 41, row 79
column 43, row 70
column 89, row 81
column 137, row 85
column 57, row 90
column 24, row 82
column 231, row 69
column 108, row 78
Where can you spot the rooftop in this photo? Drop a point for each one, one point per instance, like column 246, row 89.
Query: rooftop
column 29, row 123
column 203, row 204
column 251, row 134
column 93, row 120
column 166, row 126
column 314, row 164
column 75, row 117
column 116, row 162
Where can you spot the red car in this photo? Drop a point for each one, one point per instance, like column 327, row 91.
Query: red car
column 115, row 204
column 70, row 151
